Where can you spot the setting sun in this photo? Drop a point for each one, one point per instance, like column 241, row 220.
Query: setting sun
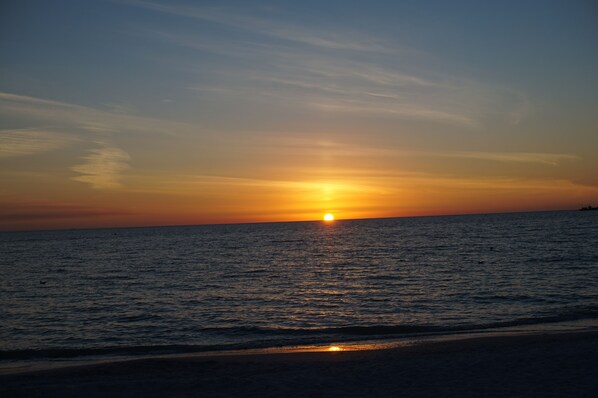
column 328, row 217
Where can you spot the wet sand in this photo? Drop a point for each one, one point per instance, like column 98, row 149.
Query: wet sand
column 531, row 365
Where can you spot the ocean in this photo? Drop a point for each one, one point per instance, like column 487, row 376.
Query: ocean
column 75, row 294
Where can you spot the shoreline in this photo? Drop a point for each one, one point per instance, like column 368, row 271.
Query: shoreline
column 42, row 363
column 535, row 363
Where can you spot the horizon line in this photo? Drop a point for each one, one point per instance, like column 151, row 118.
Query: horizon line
column 278, row 222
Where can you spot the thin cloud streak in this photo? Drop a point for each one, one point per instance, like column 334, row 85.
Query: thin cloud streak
column 335, row 82
column 409, row 111
column 77, row 118
column 102, row 167
column 332, row 148
column 551, row 159
column 307, row 78
column 284, row 31
column 16, row 98
column 24, row 142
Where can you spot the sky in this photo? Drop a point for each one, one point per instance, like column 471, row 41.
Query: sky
column 134, row 112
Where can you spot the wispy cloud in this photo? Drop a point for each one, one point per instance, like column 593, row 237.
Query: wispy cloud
column 373, row 84
column 345, row 40
column 409, row 111
column 16, row 98
column 339, row 149
column 75, row 118
column 191, row 184
column 342, row 182
column 102, row 167
column 23, row 142
column 551, row 159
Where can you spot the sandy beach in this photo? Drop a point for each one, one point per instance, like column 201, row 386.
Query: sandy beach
column 530, row 365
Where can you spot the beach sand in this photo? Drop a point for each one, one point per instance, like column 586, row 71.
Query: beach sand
column 529, row 365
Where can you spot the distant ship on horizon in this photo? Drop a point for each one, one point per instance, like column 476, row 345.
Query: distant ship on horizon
column 588, row 208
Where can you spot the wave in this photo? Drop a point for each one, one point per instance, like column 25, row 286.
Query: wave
column 260, row 337
column 377, row 330
column 67, row 353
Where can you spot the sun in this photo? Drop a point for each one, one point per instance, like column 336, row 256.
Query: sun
column 328, row 217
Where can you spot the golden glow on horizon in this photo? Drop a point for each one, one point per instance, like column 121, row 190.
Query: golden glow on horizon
column 215, row 200
column 334, row 348
column 328, row 217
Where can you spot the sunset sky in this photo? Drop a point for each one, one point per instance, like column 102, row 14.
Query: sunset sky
column 131, row 113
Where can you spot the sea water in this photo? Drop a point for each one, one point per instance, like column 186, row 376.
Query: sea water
column 196, row 288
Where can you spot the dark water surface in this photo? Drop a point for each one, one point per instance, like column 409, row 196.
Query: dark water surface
column 168, row 289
